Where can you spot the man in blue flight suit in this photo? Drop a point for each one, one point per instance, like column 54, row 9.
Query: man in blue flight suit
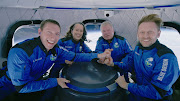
column 109, row 40
column 155, row 65
column 30, row 59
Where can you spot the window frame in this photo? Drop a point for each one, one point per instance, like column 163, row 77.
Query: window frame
column 10, row 32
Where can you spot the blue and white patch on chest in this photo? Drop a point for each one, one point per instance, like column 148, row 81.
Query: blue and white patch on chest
column 80, row 48
column 53, row 58
column 116, row 45
column 149, row 62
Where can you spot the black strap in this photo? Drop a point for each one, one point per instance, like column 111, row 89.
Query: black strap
column 166, row 98
column 4, row 64
column 74, row 57
column 7, row 77
column 162, row 93
column 18, row 88
column 176, row 85
column 4, row 69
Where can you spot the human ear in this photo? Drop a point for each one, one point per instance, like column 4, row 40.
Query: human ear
column 39, row 31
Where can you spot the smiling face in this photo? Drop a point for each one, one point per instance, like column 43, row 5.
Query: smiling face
column 77, row 32
column 148, row 33
column 49, row 35
column 107, row 32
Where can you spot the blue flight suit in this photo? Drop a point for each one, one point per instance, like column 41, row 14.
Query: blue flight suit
column 29, row 60
column 156, row 68
column 120, row 47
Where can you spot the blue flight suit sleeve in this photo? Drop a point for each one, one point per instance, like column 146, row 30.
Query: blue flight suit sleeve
column 64, row 54
column 19, row 68
column 126, row 64
column 58, row 66
column 60, row 43
column 99, row 47
column 86, row 49
column 165, row 74
column 127, row 47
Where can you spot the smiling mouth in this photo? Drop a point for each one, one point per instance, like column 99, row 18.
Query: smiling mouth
column 50, row 42
column 145, row 40
column 78, row 35
column 106, row 35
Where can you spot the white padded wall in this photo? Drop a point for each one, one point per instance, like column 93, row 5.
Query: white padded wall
column 124, row 21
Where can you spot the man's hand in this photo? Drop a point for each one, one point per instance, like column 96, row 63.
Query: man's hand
column 108, row 51
column 104, row 55
column 121, row 82
column 109, row 61
column 69, row 62
column 62, row 81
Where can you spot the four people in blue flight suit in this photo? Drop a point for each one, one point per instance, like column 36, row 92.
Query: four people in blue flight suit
column 155, row 65
column 30, row 59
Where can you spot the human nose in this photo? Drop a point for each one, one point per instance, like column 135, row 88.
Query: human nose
column 146, row 35
column 79, row 32
column 53, row 36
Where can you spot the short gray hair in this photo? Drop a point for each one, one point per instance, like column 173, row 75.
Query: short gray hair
column 106, row 23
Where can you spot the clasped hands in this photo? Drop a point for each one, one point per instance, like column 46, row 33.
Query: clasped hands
column 109, row 62
column 102, row 57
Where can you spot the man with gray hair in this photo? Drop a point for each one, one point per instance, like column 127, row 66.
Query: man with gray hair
column 109, row 40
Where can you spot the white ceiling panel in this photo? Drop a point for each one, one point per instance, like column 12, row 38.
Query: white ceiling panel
column 86, row 3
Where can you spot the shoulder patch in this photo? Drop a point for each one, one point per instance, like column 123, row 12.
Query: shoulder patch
column 27, row 46
column 162, row 49
column 65, row 39
column 119, row 37
column 100, row 38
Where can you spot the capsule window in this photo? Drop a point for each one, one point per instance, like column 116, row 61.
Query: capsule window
column 171, row 38
column 25, row 32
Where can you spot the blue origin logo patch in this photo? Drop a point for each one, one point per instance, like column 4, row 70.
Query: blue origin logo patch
column 53, row 58
column 80, row 48
column 149, row 61
column 116, row 45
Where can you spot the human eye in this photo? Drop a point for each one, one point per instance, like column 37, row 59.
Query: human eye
column 150, row 32
column 77, row 30
column 58, row 34
column 48, row 32
column 141, row 32
column 81, row 30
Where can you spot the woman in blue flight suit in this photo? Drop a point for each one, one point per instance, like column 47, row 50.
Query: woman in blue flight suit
column 73, row 41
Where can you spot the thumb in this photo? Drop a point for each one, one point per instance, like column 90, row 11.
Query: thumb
column 65, row 80
column 111, row 50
